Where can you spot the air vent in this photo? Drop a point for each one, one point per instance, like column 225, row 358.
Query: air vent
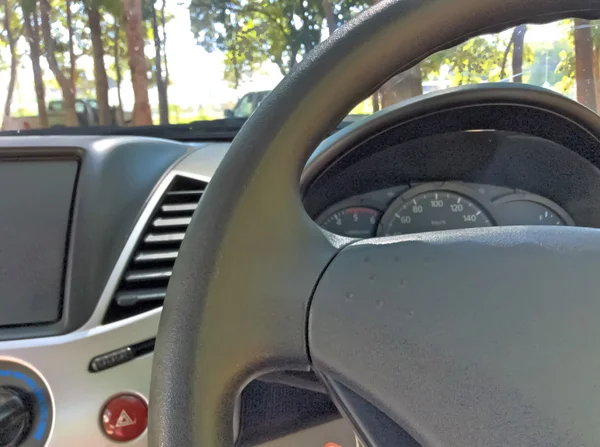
column 143, row 285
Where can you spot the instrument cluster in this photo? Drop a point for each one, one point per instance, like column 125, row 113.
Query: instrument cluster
column 437, row 206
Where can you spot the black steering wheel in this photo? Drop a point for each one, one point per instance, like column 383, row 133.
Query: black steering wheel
column 480, row 337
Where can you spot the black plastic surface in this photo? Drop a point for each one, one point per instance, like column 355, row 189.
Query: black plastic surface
column 499, row 158
column 271, row 410
column 516, row 108
column 372, row 426
column 424, row 140
column 35, row 213
column 116, row 177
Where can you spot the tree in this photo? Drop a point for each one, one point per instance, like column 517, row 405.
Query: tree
column 11, row 40
column 332, row 23
column 92, row 8
column 584, row 70
column 578, row 67
column 117, row 53
column 142, row 115
column 518, row 41
column 32, row 34
column 161, row 85
column 66, row 83
column 252, row 32
column 163, row 21
column 477, row 60
column 255, row 31
column 71, row 44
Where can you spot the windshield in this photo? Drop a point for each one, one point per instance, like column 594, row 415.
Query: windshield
column 139, row 62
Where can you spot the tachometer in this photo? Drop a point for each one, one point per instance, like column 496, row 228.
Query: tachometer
column 432, row 211
column 354, row 221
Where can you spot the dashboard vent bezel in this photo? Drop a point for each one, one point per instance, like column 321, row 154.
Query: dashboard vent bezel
column 143, row 282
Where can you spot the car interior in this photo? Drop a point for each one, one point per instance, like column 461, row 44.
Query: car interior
column 422, row 276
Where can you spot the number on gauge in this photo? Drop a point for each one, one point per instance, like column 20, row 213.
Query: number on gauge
column 357, row 221
column 433, row 211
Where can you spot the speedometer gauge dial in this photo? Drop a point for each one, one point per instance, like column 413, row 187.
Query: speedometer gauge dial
column 432, row 211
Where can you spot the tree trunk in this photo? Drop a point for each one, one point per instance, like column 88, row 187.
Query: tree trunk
column 517, row 57
column 584, row 70
column 104, row 118
column 163, row 104
column 402, row 86
column 117, row 56
column 505, row 57
column 164, row 41
column 72, row 57
column 33, row 37
column 142, row 115
column 329, row 16
column 13, row 62
column 65, row 83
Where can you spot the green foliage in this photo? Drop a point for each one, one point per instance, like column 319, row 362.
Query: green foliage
column 251, row 32
column 16, row 23
column 477, row 60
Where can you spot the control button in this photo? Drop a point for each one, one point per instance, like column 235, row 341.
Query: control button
column 111, row 359
column 125, row 417
column 15, row 416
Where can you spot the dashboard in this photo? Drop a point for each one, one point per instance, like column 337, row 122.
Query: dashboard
column 109, row 215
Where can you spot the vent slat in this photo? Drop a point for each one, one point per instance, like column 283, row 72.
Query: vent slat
column 133, row 276
column 168, row 222
column 193, row 192
column 143, row 285
column 153, row 256
column 126, row 299
column 157, row 238
column 179, row 207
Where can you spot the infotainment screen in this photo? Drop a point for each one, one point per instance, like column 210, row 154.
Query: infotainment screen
column 35, row 207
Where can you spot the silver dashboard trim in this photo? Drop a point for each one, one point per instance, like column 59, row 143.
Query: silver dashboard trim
column 62, row 361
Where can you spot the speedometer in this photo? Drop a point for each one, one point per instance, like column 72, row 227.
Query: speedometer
column 432, row 211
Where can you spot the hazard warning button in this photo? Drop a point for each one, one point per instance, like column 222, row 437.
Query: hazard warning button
column 125, row 417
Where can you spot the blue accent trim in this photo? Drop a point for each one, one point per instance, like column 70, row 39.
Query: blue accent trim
column 40, row 396
column 39, row 431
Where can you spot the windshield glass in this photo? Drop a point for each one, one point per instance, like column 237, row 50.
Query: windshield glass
column 140, row 62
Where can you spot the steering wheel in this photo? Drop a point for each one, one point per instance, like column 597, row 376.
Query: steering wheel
column 475, row 337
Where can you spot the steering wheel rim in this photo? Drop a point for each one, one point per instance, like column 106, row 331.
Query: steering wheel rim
column 239, row 298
